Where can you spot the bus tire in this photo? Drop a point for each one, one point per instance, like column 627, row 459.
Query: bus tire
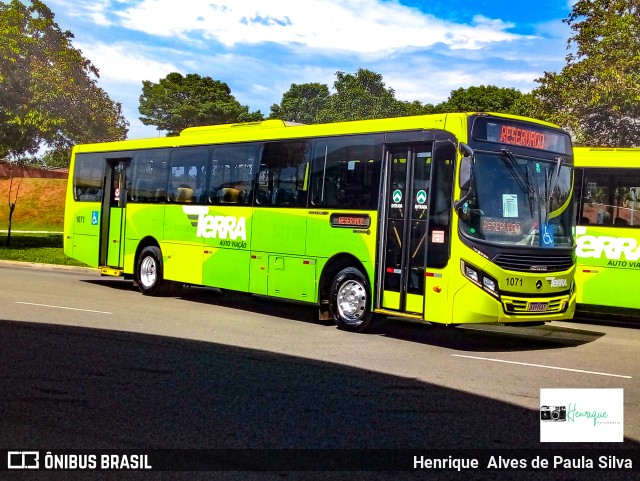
column 350, row 300
column 150, row 273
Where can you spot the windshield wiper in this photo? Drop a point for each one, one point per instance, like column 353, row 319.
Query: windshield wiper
column 559, row 162
column 522, row 178
column 552, row 186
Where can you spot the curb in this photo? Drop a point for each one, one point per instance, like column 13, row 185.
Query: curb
column 60, row 267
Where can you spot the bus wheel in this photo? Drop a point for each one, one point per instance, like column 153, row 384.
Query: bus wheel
column 149, row 275
column 350, row 300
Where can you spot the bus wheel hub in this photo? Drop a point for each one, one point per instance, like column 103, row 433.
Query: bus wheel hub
column 351, row 300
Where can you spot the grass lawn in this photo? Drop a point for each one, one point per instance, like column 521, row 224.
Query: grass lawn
column 38, row 248
column 39, row 207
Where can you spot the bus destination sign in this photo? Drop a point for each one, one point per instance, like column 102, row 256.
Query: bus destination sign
column 522, row 134
column 524, row 137
column 358, row 221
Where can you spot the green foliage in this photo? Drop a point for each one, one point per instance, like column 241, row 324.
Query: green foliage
column 48, row 90
column 358, row 96
column 177, row 102
column 361, row 96
column 37, row 248
column 486, row 99
column 364, row 96
column 56, row 157
column 302, row 103
column 597, row 94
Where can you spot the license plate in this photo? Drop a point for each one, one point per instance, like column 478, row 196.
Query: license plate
column 538, row 306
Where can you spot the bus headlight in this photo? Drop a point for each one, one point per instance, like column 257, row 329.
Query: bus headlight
column 480, row 279
column 472, row 274
column 489, row 284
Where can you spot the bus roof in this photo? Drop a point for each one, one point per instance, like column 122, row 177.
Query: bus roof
column 607, row 157
column 279, row 129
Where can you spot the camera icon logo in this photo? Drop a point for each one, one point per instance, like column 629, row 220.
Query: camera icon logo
column 553, row 413
column 23, row 459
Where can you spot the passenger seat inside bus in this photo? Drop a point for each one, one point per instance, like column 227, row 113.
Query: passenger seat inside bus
column 231, row 195
column 184, row 195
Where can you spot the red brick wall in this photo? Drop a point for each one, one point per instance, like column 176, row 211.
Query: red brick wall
column 30, row 172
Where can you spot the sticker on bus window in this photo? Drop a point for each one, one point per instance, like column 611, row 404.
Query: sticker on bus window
column 437, row 237
column 397, row 199
column 509, row 205
column 547, row 236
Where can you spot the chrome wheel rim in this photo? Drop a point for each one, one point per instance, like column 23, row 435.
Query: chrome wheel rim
column 352, row 302
column 148, row 272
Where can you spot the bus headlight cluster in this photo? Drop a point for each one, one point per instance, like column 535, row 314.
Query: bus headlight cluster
column 480, row 278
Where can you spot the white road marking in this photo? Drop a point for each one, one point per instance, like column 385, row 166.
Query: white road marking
column 62, row 307
column 542, row 366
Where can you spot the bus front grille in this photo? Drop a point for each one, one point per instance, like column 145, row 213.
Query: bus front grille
column 536, row 306
column 521, row 263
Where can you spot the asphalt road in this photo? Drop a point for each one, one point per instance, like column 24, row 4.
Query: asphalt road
column 88, row 362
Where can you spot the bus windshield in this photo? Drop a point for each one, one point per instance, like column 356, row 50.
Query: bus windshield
column 519, row 200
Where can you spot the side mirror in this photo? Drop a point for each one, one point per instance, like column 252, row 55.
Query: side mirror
column 466, row 174
column 464, row 181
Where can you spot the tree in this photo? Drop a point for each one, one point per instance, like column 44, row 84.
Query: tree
column 55, row 158
column 597, row 94
column 361, row 96
column 12, row 202
column 357, row 96
column 486, row 99
column 301, row 103
column 177, row 102
column 48, row 89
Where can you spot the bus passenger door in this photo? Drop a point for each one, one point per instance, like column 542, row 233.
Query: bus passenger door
column 113, row 214
column 404, row 227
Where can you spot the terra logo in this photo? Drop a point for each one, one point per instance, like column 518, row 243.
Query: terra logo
column 224, row 227
column 553, row 282
column 590, row 246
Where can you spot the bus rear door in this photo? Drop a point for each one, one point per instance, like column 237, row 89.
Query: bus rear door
column 113, row 214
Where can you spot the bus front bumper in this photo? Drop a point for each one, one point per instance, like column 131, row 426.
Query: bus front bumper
column 474, row 306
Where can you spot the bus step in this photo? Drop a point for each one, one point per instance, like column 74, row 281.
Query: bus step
column 110, row 271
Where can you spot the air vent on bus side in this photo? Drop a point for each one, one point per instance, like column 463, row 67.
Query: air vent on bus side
column 522, row 263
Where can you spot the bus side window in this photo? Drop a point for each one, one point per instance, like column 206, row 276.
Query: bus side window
column 595, row 198
column 281, row 180
column 346, row 172
column 149, row 170
column 610, row 197
column 232, row 169
column 87, row 177
column 188, row 175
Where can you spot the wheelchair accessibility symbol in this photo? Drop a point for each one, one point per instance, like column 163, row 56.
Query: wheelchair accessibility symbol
column 547, row 235
column 94, row 217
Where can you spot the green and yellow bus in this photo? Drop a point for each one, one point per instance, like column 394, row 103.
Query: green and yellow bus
column 449, row 218
column 608, row 231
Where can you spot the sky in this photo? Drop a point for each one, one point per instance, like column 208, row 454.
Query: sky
column 424, row 49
